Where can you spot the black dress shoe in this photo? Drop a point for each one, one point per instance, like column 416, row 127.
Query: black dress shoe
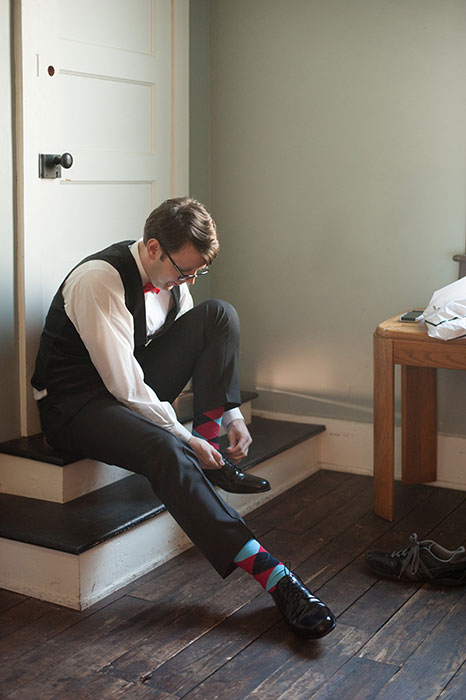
column 230, row 478
column 305, row 614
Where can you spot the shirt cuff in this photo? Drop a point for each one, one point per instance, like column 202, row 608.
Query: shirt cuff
column 231, row 415
column 180, row 431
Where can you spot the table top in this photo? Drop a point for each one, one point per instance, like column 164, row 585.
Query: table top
column 394, row 329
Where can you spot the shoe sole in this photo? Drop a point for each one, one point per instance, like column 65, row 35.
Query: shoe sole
column 269, row 488
column 437, row 582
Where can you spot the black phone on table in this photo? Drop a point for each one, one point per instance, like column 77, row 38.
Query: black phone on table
column 412, row 316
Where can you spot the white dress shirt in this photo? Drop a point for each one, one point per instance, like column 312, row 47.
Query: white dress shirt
column 94, row 298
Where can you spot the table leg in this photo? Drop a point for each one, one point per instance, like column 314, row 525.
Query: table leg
column 419, row 424
column 384, row 428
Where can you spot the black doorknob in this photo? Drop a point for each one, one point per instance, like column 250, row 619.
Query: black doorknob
column 65, row 160
column 50, row 164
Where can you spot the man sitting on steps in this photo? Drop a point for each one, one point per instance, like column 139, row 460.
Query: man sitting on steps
column 121, row 340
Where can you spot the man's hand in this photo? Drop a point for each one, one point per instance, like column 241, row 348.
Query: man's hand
column 209, row 457
column 239, row 438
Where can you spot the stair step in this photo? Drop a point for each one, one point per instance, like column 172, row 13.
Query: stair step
column 91, row 519
column 76, row 553
column 28, row 465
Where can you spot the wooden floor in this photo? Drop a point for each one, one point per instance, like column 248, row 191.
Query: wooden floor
column 182, row 632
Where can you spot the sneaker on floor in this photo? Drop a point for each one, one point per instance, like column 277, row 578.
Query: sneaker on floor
column 425, row 561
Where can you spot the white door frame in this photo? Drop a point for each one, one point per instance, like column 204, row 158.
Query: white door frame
column 179, row 185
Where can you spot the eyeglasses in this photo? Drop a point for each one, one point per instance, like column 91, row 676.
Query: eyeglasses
column 182, row 277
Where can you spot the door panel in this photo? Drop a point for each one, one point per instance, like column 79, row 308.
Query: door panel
column 121, row 24
column 97, row 81
column 106, row 115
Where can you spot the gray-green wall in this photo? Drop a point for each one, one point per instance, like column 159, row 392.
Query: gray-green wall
column 338, row 182
column 9, row 400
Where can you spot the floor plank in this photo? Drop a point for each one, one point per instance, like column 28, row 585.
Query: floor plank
column 98, row 687
column 8, row 599
column 397, row 640
column 305, row 673
column 456, row 688
column 359, row 678
column 21, row 615
column 61, row 655
column 435, row 661
column 182, row 672
column 248, row 669
column 307, row 493
column 193, row 619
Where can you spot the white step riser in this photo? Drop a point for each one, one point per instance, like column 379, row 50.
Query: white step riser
column 78, row 581
column 49, row 482
column 33, row 479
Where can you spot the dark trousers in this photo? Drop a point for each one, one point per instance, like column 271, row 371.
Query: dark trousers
column 202, row 344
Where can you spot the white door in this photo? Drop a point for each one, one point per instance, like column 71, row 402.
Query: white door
column 99, row 80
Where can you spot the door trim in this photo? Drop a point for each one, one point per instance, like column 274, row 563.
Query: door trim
column 179, row 181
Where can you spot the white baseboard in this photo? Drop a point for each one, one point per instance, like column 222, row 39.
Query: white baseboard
column 451, row 469
column 347, row 446
column 78, row 581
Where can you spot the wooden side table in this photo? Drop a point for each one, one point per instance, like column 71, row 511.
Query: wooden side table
column 408, row 345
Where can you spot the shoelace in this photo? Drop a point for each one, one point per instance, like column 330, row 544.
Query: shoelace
column 235, row 470
column 412, row 558
column 295, row 591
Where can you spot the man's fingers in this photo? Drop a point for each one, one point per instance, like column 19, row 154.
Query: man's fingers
column 234, row 440
column 218, row 459
column 239, row 439
column 208, row 456
column 241, row 446
column 239, row 451
column 212, row 459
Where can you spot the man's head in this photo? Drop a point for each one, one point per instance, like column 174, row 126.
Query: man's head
column 180, row 239
column 183, row 220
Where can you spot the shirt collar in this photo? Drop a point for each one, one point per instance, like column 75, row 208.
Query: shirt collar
column 134, row 249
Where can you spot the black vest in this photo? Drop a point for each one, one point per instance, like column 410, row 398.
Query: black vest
column 63, row 365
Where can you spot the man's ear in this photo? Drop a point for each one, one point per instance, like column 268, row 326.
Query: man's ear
column 153, row 248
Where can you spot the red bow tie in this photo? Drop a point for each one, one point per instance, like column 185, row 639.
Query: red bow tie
column 149, row 287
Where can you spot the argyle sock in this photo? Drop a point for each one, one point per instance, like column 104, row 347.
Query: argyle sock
column 207, row 425
column 258, row 562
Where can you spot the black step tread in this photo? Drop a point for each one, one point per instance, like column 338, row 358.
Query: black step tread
column 35, row 446
column 87, row 521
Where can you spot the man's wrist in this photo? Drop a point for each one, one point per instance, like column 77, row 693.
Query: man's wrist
column 231, row 415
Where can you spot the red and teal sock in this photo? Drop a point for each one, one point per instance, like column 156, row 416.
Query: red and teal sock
column 207, row 425
column 258, row 562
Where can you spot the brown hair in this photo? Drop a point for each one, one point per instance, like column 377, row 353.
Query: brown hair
column 183, row 220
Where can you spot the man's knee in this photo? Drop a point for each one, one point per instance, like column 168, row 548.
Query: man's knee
column 221, row 313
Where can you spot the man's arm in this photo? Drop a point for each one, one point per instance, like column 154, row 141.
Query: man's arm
column 94, row 302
